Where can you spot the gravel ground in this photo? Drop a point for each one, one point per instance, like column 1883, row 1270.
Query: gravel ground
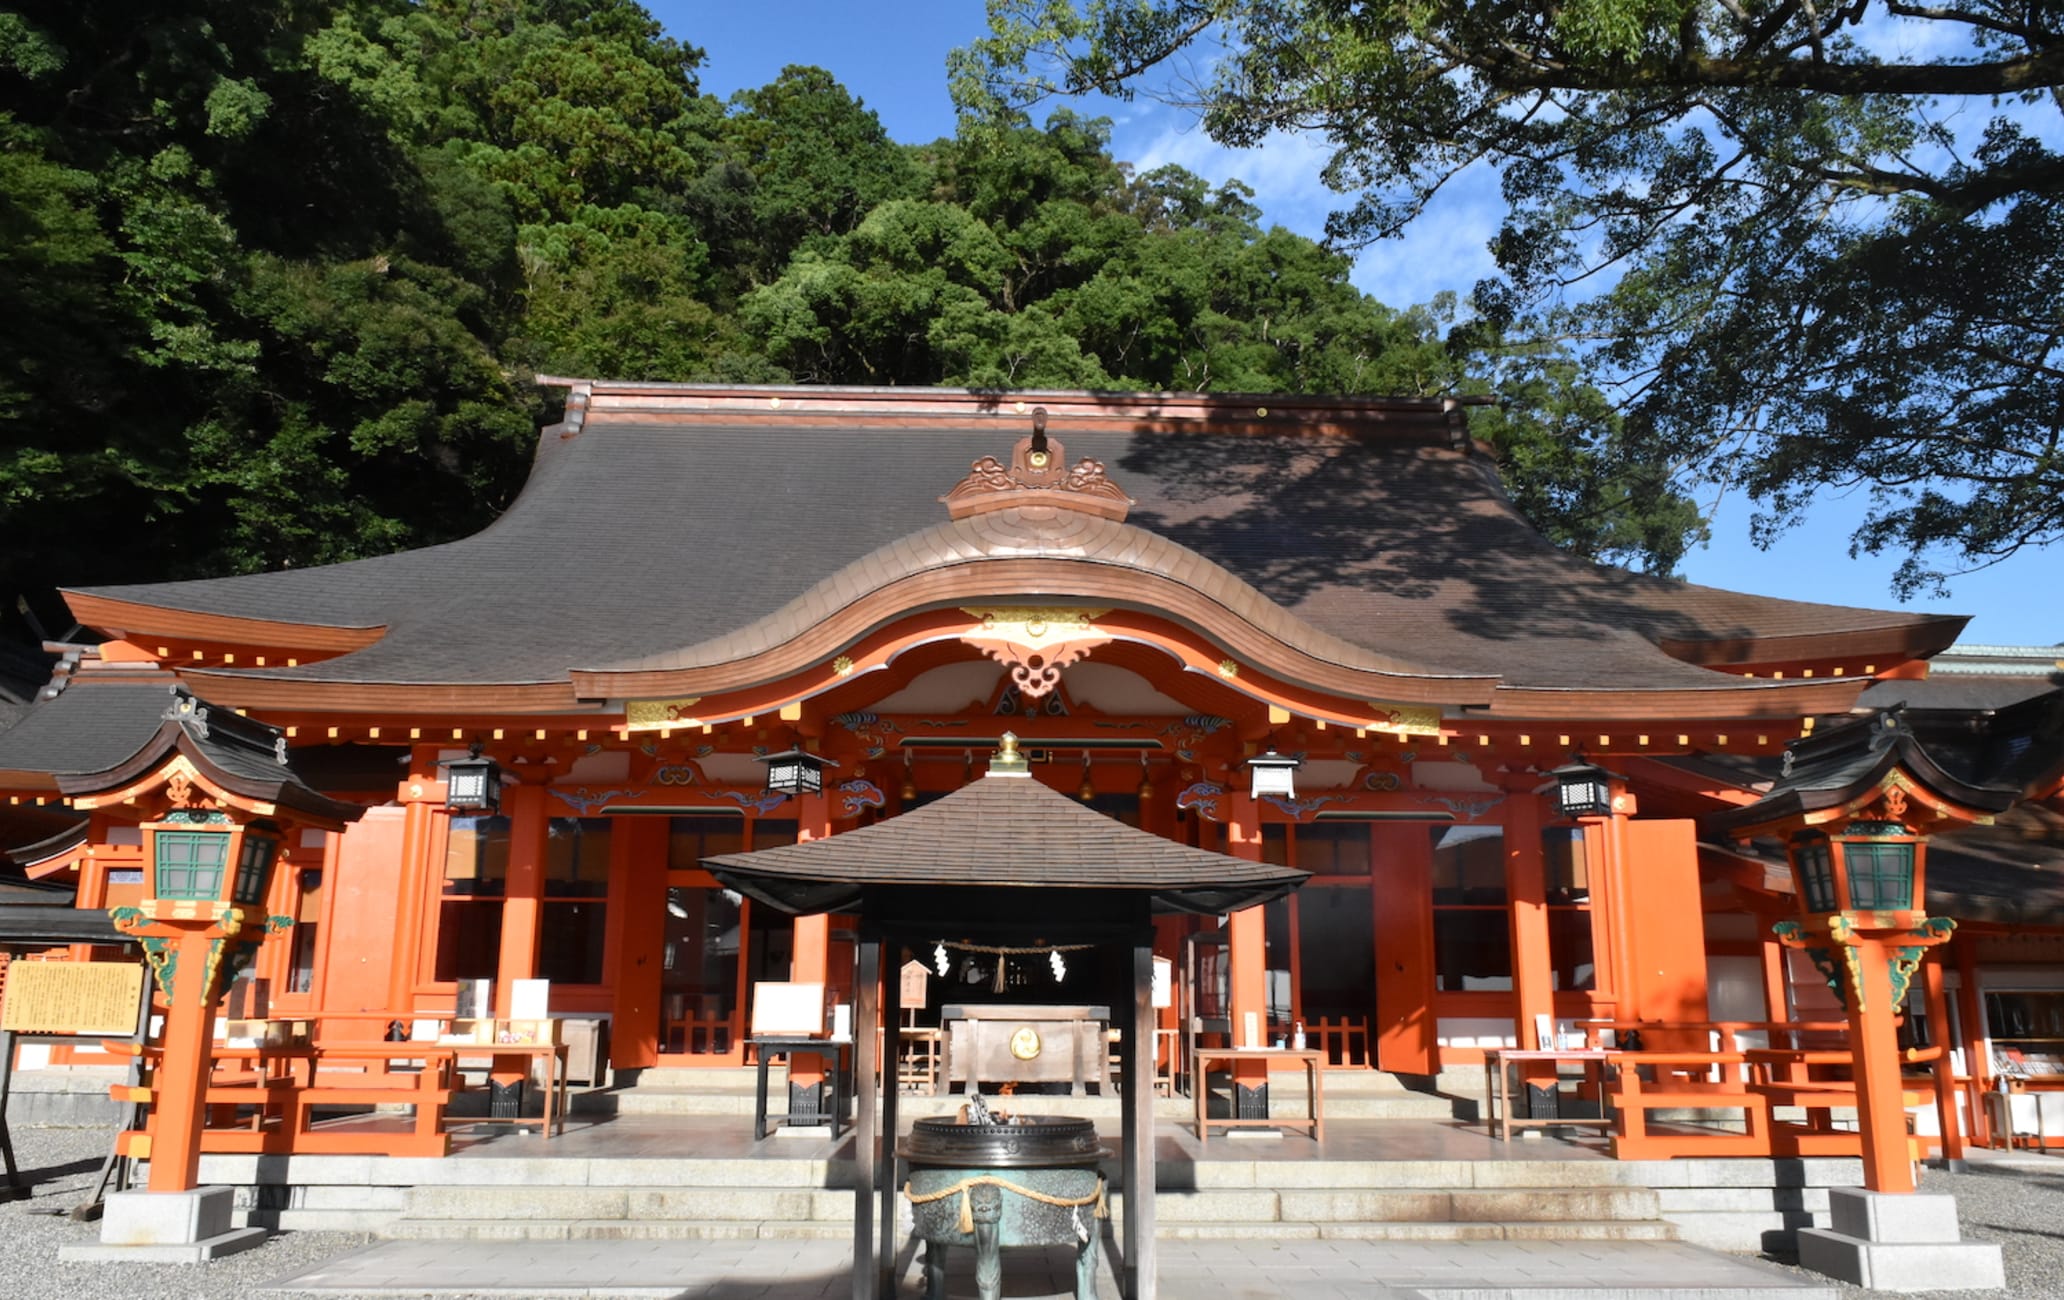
column 2018, row 1203
column 62, row 1163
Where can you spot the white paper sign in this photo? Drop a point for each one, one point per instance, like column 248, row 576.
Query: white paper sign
column 783, row 1008
column 529, row 999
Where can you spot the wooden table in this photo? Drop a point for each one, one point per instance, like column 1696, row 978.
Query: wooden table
column 1311, row 1059
column 769, row 1046
column 1497, row 1078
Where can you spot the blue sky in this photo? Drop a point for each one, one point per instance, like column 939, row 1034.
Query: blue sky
column 893, row 57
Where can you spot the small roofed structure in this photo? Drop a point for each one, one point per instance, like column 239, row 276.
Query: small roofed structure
column 1004, row 857
column 999, row 834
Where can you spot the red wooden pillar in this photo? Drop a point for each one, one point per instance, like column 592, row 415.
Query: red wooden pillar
column 810, row 962
column 522, row 912
column 1526, row 889
column 1971, row 1012
column 1880, row 1093
column 181, row 1086
column 1777, row 985
column 522, row 899
column 421, row 795
column 1946, row 1108
column 1526, row 893
column 1247, row 939
column 637, row 912
column 1405, row 1036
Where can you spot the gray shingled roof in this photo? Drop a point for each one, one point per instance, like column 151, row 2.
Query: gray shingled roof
column 1001, row 832
column 637, row 538
column 87, row 728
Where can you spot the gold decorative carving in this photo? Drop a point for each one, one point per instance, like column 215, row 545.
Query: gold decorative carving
column 1038, row 474
column 843, row 665
column 1025, row 1044
column 1405, row 719
column 1035, row 642
column 652, row 715
column 1228, row 669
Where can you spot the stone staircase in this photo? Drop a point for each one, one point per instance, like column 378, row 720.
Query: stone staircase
column 1237, row 1199
column 1233, row 1198
column 654, row 1183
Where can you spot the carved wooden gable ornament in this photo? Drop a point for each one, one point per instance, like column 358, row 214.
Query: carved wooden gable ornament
column 1036, row 644
column 1038, row 475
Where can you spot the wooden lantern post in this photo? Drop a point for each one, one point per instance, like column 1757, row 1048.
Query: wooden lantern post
column 1861, row 885
column 208, row 873
column 216, row 798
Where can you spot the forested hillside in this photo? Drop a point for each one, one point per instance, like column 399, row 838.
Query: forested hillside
column 274, row 277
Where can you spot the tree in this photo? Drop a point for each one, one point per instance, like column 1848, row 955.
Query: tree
column 1804, row 258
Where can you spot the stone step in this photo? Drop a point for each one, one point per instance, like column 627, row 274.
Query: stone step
column 1251, row 1205
column 745, row 1229
column 1398, row 1104
column 1438, row 1230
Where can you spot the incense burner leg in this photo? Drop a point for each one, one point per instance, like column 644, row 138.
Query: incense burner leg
column 1086, row 1258
column 987, row 1203
column 935, row 1271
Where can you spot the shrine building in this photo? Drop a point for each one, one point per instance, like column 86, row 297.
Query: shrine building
column 1307, row 632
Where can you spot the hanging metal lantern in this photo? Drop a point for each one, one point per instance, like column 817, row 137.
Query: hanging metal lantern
column 1581, row 790
column 1273, row 773
column 795, row 771
column 473, row 785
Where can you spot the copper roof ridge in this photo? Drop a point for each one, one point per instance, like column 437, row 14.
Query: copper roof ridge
column 893, row 395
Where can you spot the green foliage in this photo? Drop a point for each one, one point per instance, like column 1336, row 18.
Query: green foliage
column 1778, row 229
column 273, row 277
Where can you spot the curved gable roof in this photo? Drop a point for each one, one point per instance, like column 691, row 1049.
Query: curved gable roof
column 675, row 517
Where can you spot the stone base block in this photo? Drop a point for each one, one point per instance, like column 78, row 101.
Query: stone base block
column 1892, row 1242
column 193, row 1252
column 1254, row 1134
column 1908, row 1218
column 1904, row 1266
column 167, row 1228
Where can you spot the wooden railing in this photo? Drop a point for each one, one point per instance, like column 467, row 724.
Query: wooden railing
column 1729, row 1098
column 264, row 1098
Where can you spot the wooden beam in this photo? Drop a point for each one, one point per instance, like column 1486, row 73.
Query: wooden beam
column 1139, row 1278
column 892, row 1086
column 866, row 986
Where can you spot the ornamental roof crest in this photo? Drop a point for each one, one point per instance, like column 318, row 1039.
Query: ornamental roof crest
column 1038, row 475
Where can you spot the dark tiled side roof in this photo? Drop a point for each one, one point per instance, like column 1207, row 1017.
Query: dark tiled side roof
column 638, row 538
column 1005, row 832
column 1842, row 763
column 88, row 728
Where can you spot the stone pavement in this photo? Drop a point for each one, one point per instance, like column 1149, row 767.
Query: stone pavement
column 1190, row 1270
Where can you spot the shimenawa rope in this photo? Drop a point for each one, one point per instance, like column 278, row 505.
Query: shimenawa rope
column 967, row 1212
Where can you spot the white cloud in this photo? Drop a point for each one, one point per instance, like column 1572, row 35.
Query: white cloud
column 1446, row 249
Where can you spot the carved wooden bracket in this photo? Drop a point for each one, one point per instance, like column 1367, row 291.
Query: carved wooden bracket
column 1036, row 644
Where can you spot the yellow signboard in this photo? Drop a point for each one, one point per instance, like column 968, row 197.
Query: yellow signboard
column 72, row 997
